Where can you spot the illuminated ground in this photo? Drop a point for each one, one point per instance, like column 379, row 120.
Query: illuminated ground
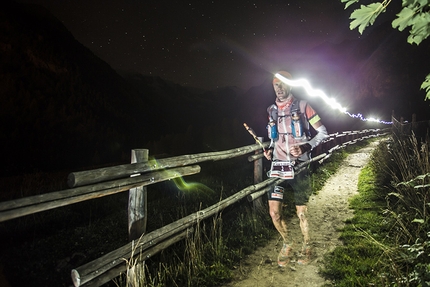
column 327, row 213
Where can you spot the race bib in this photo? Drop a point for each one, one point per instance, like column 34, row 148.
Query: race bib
column 282, row 169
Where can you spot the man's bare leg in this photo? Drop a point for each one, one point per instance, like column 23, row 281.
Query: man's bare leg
column 304, row 226
column 275, row 211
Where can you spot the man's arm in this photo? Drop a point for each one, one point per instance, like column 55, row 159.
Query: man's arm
column 268, row 153
column 298, row 150
column 320, row 136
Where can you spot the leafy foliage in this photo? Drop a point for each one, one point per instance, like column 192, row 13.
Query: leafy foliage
column 406, row 166
column 349, row 2
column 426, row 86
column 415, row 14
column 365, row 15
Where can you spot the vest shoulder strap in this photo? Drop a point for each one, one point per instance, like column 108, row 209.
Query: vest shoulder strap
column 272, row 110
column 297, row 104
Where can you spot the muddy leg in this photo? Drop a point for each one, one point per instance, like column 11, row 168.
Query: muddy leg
column 275, row 211
column 306, row 248
column 301, row 214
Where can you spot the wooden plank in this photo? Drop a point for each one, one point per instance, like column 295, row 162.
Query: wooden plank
column 258, row 177
column 137, row 200
column 24, row 206
column 258, row 194
column 108, row 173
column 137, row 258
column 95, row 268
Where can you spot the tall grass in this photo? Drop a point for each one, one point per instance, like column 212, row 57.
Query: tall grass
column 387, row 242
column 208, row 255
column 408, row 206
column 206, row 258
column 217, row 245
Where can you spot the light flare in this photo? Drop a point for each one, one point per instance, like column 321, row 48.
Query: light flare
column 179, row 181
column 182, row 185
column 330, row 101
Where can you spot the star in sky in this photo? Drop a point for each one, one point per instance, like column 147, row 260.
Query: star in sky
column 205, row 44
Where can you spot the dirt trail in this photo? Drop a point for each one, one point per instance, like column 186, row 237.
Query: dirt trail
column 327, row 212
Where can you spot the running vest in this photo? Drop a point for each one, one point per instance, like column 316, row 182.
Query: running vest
column 296, row 120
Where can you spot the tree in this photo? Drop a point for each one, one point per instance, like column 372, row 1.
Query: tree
column 414, row 14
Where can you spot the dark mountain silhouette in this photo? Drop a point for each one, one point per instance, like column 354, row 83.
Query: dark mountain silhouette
column 376, row 75
column 64, row 108
column 61, row 106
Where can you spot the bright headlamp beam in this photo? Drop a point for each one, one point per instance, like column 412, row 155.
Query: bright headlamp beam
column 330, row 101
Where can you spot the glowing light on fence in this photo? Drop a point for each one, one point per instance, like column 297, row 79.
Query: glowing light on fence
column 179, row 181
column 182, row 185
column 330, row 101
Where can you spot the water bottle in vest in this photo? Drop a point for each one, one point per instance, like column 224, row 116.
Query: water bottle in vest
column 296, row 125
column 273, row 131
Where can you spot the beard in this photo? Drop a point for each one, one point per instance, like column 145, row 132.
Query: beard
column 283, row 96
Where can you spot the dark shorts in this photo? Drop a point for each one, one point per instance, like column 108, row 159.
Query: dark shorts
column 276, row 193
column 301, row 186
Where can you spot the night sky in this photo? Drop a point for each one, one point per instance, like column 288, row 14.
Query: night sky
column 204, row 44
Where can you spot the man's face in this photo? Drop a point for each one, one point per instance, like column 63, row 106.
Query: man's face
column 282, row 90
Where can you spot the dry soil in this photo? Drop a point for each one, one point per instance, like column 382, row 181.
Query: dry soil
column 327, row 212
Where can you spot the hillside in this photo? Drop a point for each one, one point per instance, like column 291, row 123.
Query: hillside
column 376, row 75
column 63, row 108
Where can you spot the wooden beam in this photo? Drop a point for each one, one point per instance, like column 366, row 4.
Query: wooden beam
column 137, row 258
column 95, row 268
column 24, row 206
column 137, row 200
column 108, row 173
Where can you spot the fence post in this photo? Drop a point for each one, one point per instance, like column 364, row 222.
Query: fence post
column 414, row 123
column 402, row 126
column 137, row 200
column 258, row 177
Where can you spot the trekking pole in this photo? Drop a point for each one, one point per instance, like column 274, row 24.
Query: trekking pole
column 252, row 133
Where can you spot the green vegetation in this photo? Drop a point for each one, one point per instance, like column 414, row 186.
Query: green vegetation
column 65, row 238
column 218, row 244
column 353, row 263
column 415, row 14
column 387, row 242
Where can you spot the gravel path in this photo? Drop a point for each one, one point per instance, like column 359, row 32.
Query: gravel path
column 327, row 212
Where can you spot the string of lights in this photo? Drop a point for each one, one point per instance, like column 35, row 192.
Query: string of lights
column 330, row 101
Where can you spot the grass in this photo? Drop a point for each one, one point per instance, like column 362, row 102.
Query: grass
column 387, row 241
column 352, row 264
column 228, row 242
column 46, row 246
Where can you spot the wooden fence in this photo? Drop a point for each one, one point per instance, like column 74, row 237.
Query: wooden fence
column 134, row 177
column 402, row 128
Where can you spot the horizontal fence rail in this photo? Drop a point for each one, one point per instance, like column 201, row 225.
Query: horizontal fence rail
column 96, row 268
column 96, row 183
column 418, row 128
column 108, row 173
column 37, row 203
column 84, row 275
